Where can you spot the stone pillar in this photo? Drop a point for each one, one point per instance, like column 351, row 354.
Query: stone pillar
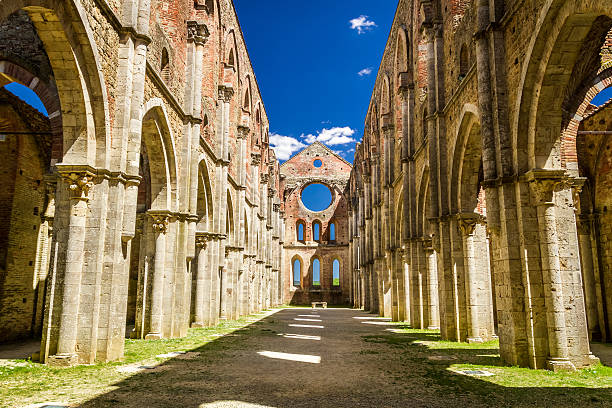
column 544, row 189
column 467, row 224
column 160, row 227
column 432, row 280
column 202, row 292
column 79, row 184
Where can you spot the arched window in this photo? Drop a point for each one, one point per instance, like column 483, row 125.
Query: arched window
column 316, row 231
column 165, row 65
column 336, row 273
column 297, row 272
column 300, row 231
column 463, row 62
column 316, row 272
column 332, row 231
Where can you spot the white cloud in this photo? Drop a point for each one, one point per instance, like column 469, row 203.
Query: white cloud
column 364, row 72
column 362, row 24
column 285, row 146
column 332, row 137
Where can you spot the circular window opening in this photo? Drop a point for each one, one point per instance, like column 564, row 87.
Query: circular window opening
column 317, row 163
column 316, row 197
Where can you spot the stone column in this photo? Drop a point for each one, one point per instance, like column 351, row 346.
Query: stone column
column 202, row 283
column 160, row 228
column 544, row 189
column 432, row 280
column 467, row 224
column 79, row 184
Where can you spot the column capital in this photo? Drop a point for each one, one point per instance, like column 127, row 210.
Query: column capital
column 255, row 159
column 202, row 240
column 79, row 184
column 160, row 221
column 468, row 221
column 226, row 93
column 197, row 32
column 243, row 131
column 544, row 183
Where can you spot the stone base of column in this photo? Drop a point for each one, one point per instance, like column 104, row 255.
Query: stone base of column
column 153, row 336
column 475, row 340
column 63, row 360
column 558, row 364
column 197, row 325
column 433, row 327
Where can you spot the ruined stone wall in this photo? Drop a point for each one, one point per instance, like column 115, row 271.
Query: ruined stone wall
column 297, row 173
column 469, row 151
column 122, row 78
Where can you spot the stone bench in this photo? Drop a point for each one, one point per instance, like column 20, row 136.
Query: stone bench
column 322, row 304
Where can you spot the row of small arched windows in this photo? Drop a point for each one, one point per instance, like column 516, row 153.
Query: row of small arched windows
column 316, row 272
column 300, row 229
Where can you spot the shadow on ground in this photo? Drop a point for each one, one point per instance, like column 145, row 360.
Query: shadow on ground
column 361, row 365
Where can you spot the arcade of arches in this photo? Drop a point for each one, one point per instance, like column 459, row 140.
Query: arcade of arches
column 148, row 199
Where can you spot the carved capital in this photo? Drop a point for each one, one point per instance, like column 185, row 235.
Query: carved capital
column 197, row 32
column 160, row 222
column 255, row 159
column 79, row 184
column 202, row 241
column 226, row 93
column 265, row 178
column 243, row 132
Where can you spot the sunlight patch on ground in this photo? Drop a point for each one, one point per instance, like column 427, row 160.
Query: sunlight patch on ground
column 372, row 318
column 379, row 323
column 300, row 336
column 312, row 326
column 223, row 404
column 300, row 358
column 307, row 320
column 313, row 315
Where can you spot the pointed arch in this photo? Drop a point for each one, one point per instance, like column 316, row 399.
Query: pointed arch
column 158, row 143
column 64, row 30
column 205, row 198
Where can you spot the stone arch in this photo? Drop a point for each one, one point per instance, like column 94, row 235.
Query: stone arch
column 402, row 53
column 47, row 94
column 423, row 199
column 333, row 276
column 229, row 221
column 158, row 143
column 205, row 198
column 385, row 96
column 64, row 30
column 467, row 158
column 231, row 51
column 563, row 30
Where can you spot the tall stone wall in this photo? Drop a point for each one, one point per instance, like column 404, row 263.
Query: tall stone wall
column 161, row 195
column 296, row 174
column 469, row 170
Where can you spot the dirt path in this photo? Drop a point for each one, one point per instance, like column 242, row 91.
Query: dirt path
column 303, row 358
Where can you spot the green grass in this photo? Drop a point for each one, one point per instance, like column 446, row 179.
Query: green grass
column 423, row 352
column 336, row 282
column 26, row 382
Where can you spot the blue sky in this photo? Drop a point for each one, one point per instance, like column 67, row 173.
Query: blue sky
column 307, row 58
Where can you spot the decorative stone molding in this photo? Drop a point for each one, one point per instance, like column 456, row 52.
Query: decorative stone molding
column 467, row 222
column 265, row 178
column 544, row 183
column 226, row 93
column 255, row 159
column 160, row 222
column 197, row 32
column 79, row 184
column 243, row 132
column 202, row 241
